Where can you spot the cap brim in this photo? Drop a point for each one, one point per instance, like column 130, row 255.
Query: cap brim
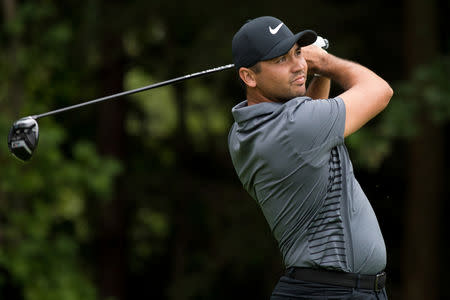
column 303, row 38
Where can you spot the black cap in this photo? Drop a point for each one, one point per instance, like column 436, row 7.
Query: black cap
column 265, row 38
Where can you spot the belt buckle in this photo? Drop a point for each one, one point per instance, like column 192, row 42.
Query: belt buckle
column 377, row 280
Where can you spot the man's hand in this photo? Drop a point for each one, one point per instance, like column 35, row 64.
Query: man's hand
column 319, row 87
column 315, row 57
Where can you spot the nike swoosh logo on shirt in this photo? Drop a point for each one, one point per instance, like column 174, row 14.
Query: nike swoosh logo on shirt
column 275, row 30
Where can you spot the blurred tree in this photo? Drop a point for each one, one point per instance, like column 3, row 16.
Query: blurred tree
column 111, row 215
column 43, row 215
column 417, row 115
column 425, row 164
column 153, row 208
column 12, row 49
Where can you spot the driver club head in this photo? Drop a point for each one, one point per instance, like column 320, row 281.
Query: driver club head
column 23, row 138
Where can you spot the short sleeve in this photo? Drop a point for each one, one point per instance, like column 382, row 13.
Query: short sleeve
column 315, row 125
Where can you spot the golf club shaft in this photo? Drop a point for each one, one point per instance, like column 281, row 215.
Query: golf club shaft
column 148, row 87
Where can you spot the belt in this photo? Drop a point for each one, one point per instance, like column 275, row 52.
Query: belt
column 352, row 280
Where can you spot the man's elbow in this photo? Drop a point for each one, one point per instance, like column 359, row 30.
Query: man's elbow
column 387, row 95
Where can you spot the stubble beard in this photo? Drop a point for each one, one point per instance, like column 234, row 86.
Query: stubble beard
column 288, row 96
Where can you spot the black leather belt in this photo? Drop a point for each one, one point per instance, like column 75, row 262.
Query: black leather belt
column 352, row 280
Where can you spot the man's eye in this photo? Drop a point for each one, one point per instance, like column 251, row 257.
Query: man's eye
column 298, row 52
column 281, row 59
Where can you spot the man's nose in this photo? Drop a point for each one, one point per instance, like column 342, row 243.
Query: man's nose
column 298, row 64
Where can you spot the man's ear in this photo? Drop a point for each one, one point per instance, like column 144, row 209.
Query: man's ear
column 247, row 76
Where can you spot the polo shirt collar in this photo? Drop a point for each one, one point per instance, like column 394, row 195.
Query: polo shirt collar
column 242, row 112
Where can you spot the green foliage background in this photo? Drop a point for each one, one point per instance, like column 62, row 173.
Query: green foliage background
column 191, row 231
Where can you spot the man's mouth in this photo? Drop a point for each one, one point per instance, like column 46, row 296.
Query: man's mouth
column 299, row 80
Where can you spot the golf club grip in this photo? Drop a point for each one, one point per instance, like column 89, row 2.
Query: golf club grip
column 148, row 87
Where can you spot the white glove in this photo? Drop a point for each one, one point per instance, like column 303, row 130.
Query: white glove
column 321, row 42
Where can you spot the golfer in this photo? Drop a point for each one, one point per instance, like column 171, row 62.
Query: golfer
column 287, row 146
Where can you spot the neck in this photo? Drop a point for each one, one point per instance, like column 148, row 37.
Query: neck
column 255, row 97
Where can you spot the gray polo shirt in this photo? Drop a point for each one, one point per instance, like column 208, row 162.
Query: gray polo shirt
column 292, row 160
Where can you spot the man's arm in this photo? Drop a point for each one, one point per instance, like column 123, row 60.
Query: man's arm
column 366, row 94
column 319, row 88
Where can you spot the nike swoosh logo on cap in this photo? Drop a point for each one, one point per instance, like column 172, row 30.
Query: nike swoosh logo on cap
column 275, row 30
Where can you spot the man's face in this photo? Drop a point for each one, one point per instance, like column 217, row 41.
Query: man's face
column 284, row 77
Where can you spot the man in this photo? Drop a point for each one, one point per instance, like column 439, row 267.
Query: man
column 288, row 151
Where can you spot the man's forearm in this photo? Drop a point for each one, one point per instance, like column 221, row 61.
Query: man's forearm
column 319, row 88
column 365, row 93
column 344, row 72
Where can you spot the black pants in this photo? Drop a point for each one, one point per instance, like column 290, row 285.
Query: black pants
column 292, row 289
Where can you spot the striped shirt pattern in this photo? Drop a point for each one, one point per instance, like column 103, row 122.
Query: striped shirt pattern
column 326, row 232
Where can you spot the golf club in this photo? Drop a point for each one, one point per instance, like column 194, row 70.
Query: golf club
column 24, row 134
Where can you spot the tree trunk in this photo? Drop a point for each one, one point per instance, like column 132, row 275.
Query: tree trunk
column 15, row 94
column 425, row 174
column 180, row 231
column 111, row 142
